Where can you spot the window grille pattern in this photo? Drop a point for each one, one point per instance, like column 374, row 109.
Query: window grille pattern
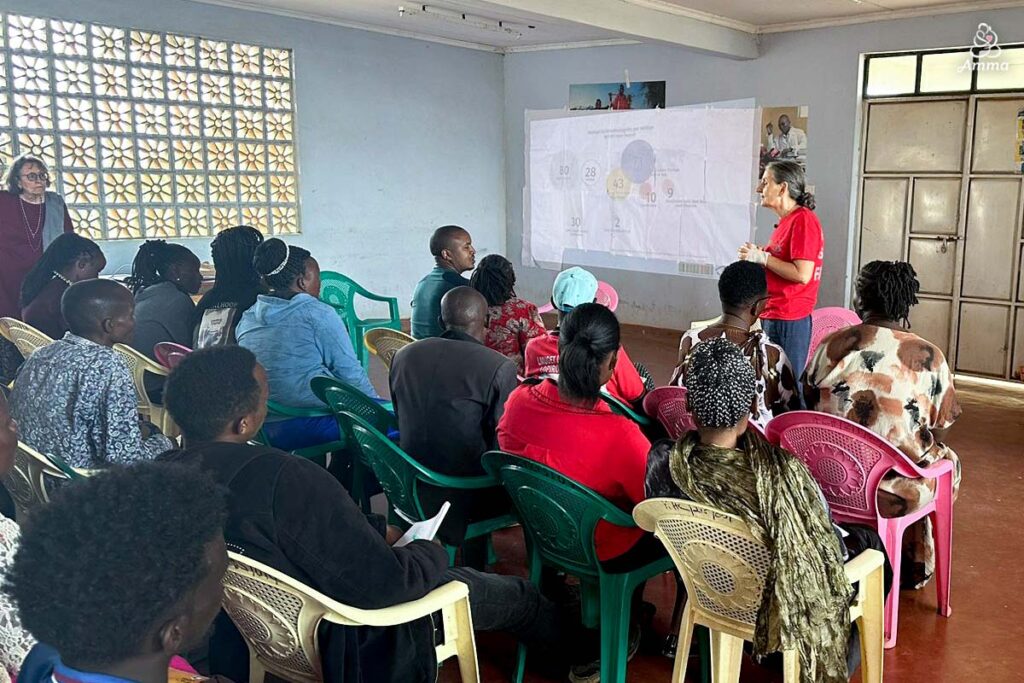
column 151, row 134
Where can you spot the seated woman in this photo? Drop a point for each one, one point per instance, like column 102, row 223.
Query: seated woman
column 898, row 385
column 297, row 337
column 235, row 289
column 736, row 470
column 68, row 259
column 743, row 290
column 511, row 321
column 164, row 278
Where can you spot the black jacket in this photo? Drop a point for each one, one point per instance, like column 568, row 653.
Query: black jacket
column 292, row 515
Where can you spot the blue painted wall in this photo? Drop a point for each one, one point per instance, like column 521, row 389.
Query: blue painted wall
column 395, row 136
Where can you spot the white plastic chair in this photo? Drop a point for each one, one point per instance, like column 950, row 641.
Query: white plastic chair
column 28, row 481
column 140, row 365
column 724, row 568
column 278, row 618
column 23, row 335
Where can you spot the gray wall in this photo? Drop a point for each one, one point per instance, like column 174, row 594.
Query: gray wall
column 818, row 68
column 395, row 136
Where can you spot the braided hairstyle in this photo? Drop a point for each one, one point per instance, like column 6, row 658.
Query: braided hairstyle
column 588, row 334
column 792, row 173
column 279, row 264
column 64, row 251
column 232, row 250
column 720, row 384
column 495, row 279
column 888, row 288
column 153, row 263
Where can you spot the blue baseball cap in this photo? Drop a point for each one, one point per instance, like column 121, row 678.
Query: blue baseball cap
column 573, row 287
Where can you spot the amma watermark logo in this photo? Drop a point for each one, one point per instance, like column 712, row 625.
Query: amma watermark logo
column 987, row 49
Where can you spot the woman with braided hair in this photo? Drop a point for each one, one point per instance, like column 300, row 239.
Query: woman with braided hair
column 511, row 321
column 898, row 385
column 234, row 290
column 164, row 278
column 805, row 603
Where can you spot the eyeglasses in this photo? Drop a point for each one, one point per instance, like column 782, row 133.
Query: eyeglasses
column 36, row 176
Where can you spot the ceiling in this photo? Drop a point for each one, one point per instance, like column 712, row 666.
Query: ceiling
column 728, row 27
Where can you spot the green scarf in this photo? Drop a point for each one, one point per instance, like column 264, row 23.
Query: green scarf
column 805, row 605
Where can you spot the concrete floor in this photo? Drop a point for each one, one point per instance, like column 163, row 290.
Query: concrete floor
column 977, row 643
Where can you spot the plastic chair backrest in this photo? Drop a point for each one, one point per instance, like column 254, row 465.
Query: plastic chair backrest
column 385, row 343
column 342, row 397
column 847, row 460
column 722, row 564
column 26, row 482
column 27, row 338
column 607, row 296
column 169, row 354
column 558, row 514
column 669, row 406
column 825, row 321
column 339, row 291
column 139, row 366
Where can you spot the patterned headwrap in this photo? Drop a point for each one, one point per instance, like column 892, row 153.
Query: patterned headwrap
column 720, row 383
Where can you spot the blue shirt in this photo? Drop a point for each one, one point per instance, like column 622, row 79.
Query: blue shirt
column 426, row 301
column 43, row 665
column 296, row 340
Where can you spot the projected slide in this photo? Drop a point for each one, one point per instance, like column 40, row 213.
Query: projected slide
column 667, row 190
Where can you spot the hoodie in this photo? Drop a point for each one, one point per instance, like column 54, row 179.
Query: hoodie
column 296, row 340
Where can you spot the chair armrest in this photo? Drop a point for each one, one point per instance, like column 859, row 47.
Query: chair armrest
column 906, row 467
column 863, row 565
column 391, row 301
column 482, row 481
column 434, row 601
column 289, row 411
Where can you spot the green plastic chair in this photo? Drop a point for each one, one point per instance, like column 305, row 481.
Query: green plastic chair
column 559, row 517
column 317, row 453
column 621, row 408
column 340, row 292
column 401, row 476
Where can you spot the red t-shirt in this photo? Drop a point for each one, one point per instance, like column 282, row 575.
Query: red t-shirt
column 599, row 449
column 541, row 357
column 798, row 237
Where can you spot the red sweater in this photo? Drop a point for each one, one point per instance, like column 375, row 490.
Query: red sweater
column 542, row 361
column 595, row 447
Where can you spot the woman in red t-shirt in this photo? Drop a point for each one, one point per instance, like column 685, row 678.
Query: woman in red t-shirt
column 792, row 260
column 511, row 321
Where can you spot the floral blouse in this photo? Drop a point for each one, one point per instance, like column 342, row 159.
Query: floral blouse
column 15, row 641
column 510, row 326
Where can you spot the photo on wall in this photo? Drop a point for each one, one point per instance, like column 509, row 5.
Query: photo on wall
column 784, row 134
column 618, row 96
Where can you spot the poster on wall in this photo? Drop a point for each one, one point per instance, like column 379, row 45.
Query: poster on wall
column 784, row 134
column 617, row 96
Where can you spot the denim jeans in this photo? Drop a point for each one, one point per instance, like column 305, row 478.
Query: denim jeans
column 794, row 336
column 510, row 604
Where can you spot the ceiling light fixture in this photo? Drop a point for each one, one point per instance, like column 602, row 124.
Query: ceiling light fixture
column 432, row 13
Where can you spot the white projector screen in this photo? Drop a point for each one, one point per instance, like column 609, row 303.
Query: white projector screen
column 659, row 190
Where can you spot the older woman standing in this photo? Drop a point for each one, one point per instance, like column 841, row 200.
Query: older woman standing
column 792, row 260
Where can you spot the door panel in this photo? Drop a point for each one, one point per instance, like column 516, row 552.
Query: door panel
column 995, row 130
column 991, row 238
column 982, row 344
column 930, row 320
column 916, row 136
column 1020, row 285
column 934, row 268
column 936, row 206
column 883, row 217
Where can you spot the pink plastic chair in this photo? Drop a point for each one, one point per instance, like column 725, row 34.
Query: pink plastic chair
column 825, row 321
column 169, row 354
column 848, row 461
column 606, row 296
column 668, row 405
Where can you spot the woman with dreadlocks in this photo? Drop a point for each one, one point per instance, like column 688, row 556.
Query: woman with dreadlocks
column 68, row 259
column 805, row 604
column 164, row 276
column 511, row 321
column 235, row 289
column 898, row 385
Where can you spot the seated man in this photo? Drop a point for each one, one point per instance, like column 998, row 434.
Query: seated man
column 743, row 290
column 75, row 398
column 727, row 466
column 453, row 252
column 294, row 516
column 449, row 393
column 573, row 287
column 119, row 573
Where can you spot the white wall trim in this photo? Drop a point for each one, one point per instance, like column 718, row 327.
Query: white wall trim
column 570, row 46
column 889, row 15
column 706, row 17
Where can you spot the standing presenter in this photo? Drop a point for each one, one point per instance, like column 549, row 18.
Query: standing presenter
column 792, row 260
